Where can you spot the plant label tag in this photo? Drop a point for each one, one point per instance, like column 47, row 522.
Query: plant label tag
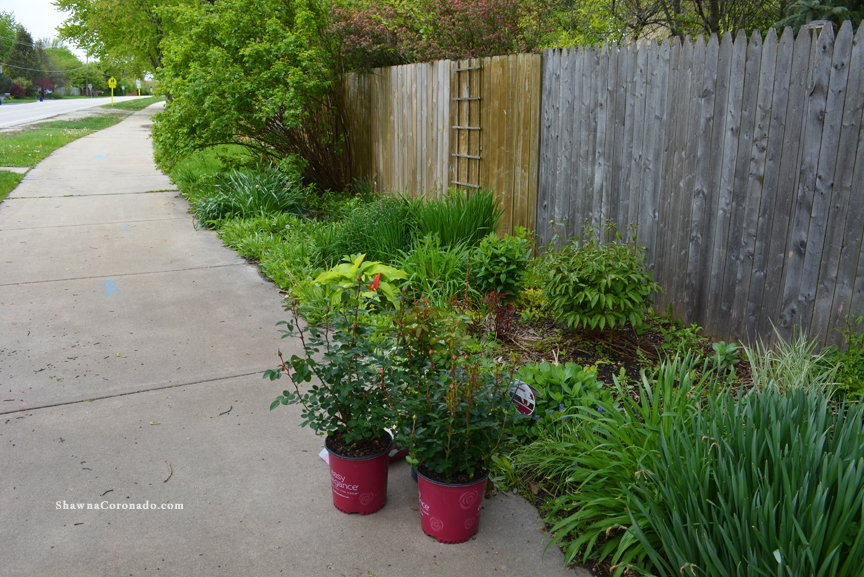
column 523, row 397
column 324, row 455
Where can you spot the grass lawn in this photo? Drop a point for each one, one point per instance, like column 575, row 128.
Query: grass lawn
column 8, row 181
column 36, row 99
column 137, row 104
column 31, row 145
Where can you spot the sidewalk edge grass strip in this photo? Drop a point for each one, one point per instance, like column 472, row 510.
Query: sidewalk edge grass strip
column 8, row 181
column 138, row 104
column 32, row 144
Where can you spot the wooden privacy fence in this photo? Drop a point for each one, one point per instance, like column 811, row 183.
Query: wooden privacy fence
column 741, row 163
column 423, row 128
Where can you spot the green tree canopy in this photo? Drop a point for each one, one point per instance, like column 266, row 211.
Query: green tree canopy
column 8, row 30
column 260, row 73
column 128, row 31
column 23, row 60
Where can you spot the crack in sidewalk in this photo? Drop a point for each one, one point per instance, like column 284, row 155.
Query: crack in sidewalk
column 122, row 274
column 156, row 191
column 95, row 223
column 128, row 393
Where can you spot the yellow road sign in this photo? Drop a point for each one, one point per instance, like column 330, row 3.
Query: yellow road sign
column 112, row 83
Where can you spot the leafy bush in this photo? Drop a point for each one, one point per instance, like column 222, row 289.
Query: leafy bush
column 16, row 90
column 499, row 264
column 530, row 304
column 770, row 484
column 559, row 391
column 243, row 194
column 258, row 73
column 435, row 272
column 598, row 285
column 849, row 362
column 388, row 33
column 380, row 229
column 459, row 217
column 5, row 83
column 593, row 459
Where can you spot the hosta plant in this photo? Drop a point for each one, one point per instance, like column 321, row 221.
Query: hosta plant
column 559, row 391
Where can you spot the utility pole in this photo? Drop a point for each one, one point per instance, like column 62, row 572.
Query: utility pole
column 87, row 74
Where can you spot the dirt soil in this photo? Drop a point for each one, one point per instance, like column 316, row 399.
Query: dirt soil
column 363, row 448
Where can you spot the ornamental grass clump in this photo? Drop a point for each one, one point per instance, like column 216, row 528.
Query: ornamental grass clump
column 459, row 217
column 770, row 483
column 591, row 459
column 244, row 194
column 379, row 229
column 436, row 272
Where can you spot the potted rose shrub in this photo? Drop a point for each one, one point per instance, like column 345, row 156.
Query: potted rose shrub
column 341, row 382
column 455, row 408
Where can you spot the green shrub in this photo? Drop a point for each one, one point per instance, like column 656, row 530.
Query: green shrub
column 499, row 264
column 559, row 391
column 459, row 217
column 597, row 285
column 590, row 462
column 850, row 361
column 530, row 304
column 435, row 272
column 244, row 194
column 770, row 484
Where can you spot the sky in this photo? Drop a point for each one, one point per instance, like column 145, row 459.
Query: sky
column 39, row 17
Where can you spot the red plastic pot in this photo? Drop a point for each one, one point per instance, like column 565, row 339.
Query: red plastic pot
column 450, row 512
column 359, row 483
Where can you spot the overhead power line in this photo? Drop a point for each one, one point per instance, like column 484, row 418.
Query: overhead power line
column 39, row 69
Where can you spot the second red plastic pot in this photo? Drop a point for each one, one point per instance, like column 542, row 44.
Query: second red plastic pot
column 450, row 513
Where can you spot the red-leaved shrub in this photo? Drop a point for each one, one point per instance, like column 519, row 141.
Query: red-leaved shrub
column 385, row 34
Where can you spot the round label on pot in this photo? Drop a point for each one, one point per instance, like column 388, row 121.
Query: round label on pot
column 523, row 397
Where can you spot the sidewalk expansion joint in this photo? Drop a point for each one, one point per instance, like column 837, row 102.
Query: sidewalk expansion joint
column 125, row 274
column 157, row 191
column 96, row 223
column 129, row 393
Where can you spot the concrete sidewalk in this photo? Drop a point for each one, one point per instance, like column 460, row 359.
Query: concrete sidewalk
column 131, row 354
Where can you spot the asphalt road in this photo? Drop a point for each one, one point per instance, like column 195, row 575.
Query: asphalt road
column 17, row 114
